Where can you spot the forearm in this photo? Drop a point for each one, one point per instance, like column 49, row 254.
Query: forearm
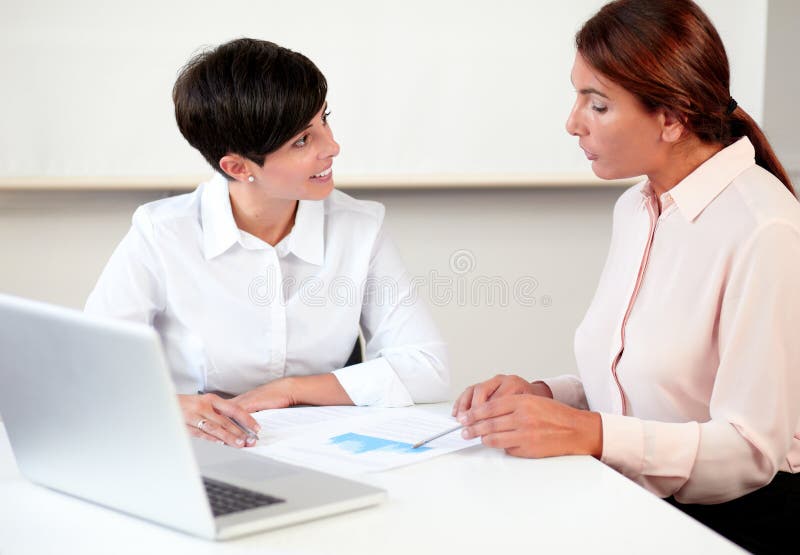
column 321, row 389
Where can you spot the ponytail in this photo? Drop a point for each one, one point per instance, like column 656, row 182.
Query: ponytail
column 742, row 125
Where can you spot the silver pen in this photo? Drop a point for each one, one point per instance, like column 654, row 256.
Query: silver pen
column 251, row 435
column 440, row 434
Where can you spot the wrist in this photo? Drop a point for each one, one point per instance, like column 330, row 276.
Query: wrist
column 591, row 434
column 292, row 390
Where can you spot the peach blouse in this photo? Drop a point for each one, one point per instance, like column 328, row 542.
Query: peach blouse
column 690, row 349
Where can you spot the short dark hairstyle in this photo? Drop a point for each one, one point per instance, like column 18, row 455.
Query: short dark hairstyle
column 246, row 97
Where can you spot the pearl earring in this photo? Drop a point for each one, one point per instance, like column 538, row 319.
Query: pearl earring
column 251, row 179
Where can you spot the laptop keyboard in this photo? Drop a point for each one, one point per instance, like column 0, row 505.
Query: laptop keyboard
column 226, row 499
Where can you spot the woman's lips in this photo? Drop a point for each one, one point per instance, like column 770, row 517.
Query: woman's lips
column 323, row 176
column 589, row 155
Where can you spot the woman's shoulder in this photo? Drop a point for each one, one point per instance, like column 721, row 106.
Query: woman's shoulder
column 340, row 205
column 761, row 199
column 166, row 210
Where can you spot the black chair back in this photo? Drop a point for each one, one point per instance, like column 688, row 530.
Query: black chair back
column 356, row 357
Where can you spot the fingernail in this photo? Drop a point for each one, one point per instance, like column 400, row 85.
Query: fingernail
column 465, row 434
column 462, row 418
column 239, row 441
column 257, row 428
column 251, row 440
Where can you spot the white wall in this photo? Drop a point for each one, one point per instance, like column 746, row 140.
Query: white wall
column 782, row 83
column 418, row 86
column 53, row 245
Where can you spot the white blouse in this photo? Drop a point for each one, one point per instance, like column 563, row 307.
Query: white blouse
column 690, row 347
column 234, row 312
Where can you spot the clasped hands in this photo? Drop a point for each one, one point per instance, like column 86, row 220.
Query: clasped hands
column 510, row 413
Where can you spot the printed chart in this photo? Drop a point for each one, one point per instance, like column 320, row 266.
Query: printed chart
column 372, row 442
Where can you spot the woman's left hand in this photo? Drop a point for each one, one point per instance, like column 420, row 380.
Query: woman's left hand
column 277, row 394
column 534, row 426
column 320, row 389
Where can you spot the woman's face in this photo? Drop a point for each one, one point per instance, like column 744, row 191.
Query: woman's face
column 620, row 137
column 301, row 168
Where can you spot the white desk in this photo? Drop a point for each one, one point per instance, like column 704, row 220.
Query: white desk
column 474, row 501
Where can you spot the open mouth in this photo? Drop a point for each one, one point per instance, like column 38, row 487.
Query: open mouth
column 323, row 174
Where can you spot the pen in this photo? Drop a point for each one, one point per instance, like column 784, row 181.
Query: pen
column 440, row 434
column 251, row 435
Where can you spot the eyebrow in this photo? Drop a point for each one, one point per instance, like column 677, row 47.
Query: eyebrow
column 591, row 90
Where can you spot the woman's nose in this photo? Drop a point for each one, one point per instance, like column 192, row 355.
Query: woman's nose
column 574, row 126
column 331, row 148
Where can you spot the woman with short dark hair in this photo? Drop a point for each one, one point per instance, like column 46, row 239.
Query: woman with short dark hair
column 688, row 358
column 259, row 280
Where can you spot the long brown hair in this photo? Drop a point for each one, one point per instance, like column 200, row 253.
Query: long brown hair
column 669, row 55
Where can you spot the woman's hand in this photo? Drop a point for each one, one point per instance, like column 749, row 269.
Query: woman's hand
column 277, row 394
column 494, row 388
column 208, row 416
column 321, row 389
column 534, row 426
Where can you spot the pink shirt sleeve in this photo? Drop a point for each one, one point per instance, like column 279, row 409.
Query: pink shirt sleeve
column 755, row 403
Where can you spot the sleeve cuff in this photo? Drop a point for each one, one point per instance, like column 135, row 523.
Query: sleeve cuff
column 657, row 455
column 568, row 390
column 623, row 444
column 373, row 383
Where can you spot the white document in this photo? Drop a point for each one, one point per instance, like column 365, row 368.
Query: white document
column 356, row 440
column 279, row 424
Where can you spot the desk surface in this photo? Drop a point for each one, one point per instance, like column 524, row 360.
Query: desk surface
column 478, row 500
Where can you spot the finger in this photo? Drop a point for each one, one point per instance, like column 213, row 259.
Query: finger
column 196, row 432
column 490, row 409
column 232, row 409
column 463, row 401
column 523, row 451
column 222, row 428
column 503, row 440
column 496, row 425
column 485, row 390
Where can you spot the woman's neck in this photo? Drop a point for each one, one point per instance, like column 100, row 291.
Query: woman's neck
column 680, row 161
column 270, row 219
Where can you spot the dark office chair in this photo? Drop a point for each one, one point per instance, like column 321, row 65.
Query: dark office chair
column 357, row 355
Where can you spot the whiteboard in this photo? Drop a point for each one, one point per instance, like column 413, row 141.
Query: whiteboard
column 416, row 88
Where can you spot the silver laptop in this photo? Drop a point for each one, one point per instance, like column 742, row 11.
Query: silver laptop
column 91, row 411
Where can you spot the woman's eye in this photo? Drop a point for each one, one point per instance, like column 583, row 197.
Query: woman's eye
column 600, row 109
column 325, row 117
column 301, row 142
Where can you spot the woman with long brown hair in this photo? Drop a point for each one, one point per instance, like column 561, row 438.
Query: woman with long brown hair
column 688, row 359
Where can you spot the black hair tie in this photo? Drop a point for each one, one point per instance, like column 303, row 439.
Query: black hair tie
column 732, row 104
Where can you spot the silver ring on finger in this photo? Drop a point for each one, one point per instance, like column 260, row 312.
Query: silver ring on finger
column 201, row 424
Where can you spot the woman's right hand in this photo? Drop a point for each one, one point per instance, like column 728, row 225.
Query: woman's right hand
column 494, row 388
column 208, row 416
